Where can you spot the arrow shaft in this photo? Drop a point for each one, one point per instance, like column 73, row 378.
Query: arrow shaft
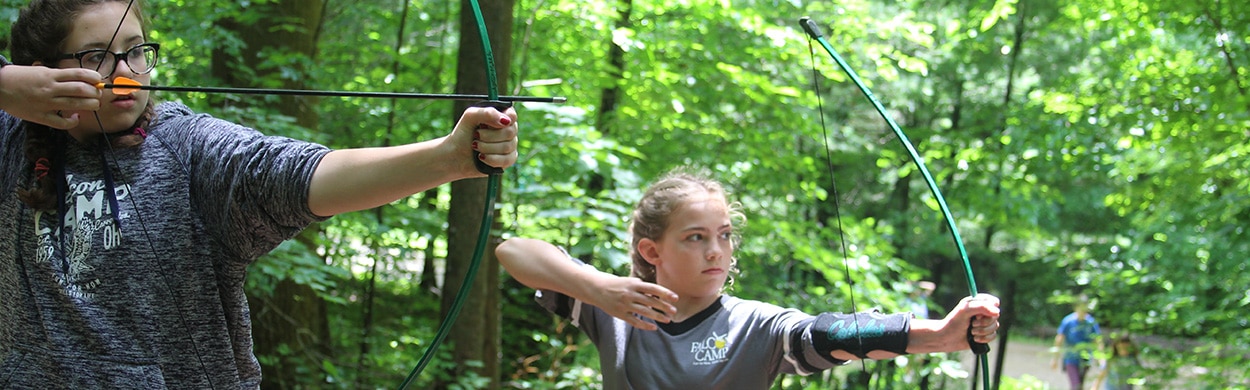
column 306, row 92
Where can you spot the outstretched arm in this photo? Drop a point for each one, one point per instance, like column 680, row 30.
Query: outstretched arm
column 951, row 333
column 922, row 336
column 357, row 179
column 541, row 265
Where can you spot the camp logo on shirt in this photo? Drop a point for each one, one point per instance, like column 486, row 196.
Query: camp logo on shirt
column 712, row 350
column 88, row 220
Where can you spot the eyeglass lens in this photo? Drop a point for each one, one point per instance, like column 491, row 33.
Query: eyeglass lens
column 140, row 59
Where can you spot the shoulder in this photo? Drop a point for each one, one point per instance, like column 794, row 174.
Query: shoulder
column 746, row 308
column 178, row 114
column 172, row 109
column 177, row 123
column 1067, row 322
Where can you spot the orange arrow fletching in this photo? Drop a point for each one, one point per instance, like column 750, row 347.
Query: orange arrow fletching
column 118, row 84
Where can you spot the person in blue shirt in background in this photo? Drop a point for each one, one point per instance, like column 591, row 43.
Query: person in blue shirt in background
column 1078, row 335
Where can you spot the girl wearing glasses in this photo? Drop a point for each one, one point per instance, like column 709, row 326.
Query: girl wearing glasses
column 126, row 227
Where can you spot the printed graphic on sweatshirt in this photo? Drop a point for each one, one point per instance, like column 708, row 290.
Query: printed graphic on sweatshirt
column 712, row 350
column 88, row 224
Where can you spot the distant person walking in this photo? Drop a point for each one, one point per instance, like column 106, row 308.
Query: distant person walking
column 1119, row 366
column 918, row 300
column 1076, row 340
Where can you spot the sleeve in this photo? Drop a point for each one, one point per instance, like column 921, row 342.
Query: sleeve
column 12, row 158
column 787, row 332
column 801, row 353
column 250, row 189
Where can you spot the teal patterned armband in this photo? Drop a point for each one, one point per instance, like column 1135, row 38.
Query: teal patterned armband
column 861, row 333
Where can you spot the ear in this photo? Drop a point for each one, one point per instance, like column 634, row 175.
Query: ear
column 650, row 251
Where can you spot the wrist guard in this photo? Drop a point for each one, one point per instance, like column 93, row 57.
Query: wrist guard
column 861, row 333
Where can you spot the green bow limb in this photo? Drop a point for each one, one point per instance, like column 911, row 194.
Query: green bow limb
column 488, row 214
column 980, row 349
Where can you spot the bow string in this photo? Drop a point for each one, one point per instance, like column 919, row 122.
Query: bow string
column 980, row 349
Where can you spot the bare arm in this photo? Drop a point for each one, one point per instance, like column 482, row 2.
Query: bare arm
column 541, row 265
column 1057, row 351
column 357, row 179
column 948, row 334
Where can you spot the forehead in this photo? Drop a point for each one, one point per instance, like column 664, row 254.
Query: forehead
column 94, row 26
column 700, row 209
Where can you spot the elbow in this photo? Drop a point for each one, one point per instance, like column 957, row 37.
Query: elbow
column 510, row 252
column 505, row 252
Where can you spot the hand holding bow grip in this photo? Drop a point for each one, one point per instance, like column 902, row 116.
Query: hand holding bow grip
column 977, row 348
column 482, row 167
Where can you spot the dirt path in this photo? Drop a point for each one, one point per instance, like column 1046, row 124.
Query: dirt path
column 1030, row 358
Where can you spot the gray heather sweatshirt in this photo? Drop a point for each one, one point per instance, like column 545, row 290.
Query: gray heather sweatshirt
column 156, row 302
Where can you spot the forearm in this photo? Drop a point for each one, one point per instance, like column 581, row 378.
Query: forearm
column 929, row 336
column 1058, row 349
column 976, row 317
column 542, row 266
column 357, row 179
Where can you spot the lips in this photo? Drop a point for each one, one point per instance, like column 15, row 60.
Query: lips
column 713, row 271
column 124, row 102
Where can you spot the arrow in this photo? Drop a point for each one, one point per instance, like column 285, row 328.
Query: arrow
column 127, row 86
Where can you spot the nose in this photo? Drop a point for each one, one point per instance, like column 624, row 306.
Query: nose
column 120, row 70
column 716, row 249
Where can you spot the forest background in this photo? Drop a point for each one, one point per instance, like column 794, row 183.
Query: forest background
column 1086, row 148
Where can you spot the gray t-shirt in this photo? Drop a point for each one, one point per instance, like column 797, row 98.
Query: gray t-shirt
column 158, row 301
column 735, row 344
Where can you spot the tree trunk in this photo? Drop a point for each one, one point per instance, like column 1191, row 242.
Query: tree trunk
column 476, row 334
column 290, row 327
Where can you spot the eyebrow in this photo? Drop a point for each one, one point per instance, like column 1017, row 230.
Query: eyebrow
column 702, row 229
column 129, row 42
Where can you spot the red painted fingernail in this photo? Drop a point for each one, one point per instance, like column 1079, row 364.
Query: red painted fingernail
column 477, row 135
column 474, row 145
column 481, row 157
column 505, row 121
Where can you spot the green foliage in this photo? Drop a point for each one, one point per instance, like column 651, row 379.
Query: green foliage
column 1115, row 167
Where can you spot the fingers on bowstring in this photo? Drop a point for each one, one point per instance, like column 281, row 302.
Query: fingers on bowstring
column 78, row 103
column 60, row 120
column 85, row 75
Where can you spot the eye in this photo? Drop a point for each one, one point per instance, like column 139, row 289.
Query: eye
column 94, row 57
column 726, row 235
column 695, row 237
column 135, row 54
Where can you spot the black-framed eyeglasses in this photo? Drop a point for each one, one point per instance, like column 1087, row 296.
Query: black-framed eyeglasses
column 141, row 59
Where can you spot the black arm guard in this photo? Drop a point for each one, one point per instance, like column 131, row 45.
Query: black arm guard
column 861, row 333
